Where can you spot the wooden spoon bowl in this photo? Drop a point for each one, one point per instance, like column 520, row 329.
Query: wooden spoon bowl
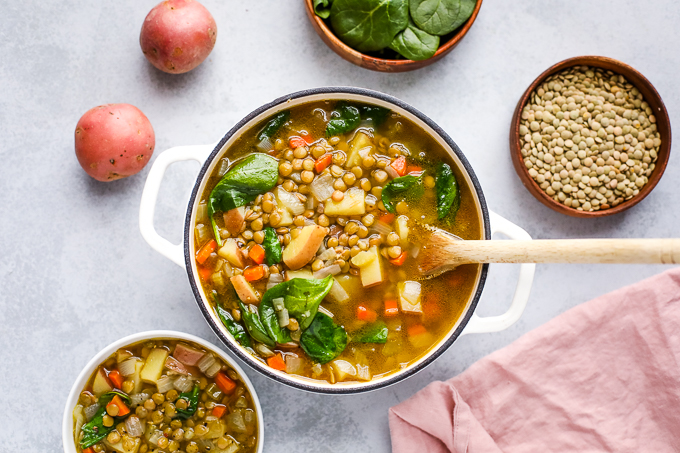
column 382, row 64
column 651, row 96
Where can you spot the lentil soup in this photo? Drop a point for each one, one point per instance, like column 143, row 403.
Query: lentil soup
column 305, row 245
column 165, row 395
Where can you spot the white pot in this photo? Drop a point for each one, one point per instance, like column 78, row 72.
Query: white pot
column 209, row 156
column 67, row 425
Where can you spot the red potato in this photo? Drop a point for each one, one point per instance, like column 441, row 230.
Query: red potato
column 177, row 35
column 114, row 141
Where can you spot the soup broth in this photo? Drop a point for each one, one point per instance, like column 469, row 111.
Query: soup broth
column 305, row 241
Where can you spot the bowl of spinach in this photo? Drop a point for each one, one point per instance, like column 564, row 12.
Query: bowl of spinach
column 392, row 35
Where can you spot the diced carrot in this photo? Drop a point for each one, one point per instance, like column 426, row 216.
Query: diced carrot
column 219, row 410
column 307, row 138
column 387, row 218
column 323, row 162
column 204, row 272
column 416, row 329
column 118, row 402
column 431, row 310
column 256, row 253
column 398, row 261
column 205, row 251
column 277, row 362
column 88, row 450
column 391, row 308
column 366, row 314
column 116, row 378
column 253, row 273
column 296, row 142
column 399, row 165
column 225, row 383
column 413, row 169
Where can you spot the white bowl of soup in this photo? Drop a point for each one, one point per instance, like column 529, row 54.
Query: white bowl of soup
column 162, row 391
column 299, row 246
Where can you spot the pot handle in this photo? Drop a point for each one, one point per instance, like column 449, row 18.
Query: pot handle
column 147, row 207
column 478, row 324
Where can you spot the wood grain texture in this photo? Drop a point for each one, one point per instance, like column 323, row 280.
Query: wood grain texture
column 444, row 251
column 382, row 64
column 651, row 96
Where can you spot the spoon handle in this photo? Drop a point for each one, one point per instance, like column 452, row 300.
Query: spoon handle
column 605, row 251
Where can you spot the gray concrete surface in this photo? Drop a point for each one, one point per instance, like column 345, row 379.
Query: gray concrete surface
column 75, row 273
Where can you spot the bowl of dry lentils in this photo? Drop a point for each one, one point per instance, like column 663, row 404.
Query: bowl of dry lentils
column 590, row 137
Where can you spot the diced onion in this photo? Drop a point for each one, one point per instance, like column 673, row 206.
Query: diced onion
column 263, row 350
column 224, row 166
column 329, row 254
column 91, row 410
column 311, row 203
column 381, row 228
column 264, row 145
column 235, row 422
column 294, row 365
column 366, row 123
column 414, row 250
column 127, row 367
column 284, row 319
column 338, row 293
column 290, row 201
column 206, row 362
column 276, row 278
column 364, row 152
column 164, row 384
column 212, row 371
column 202, row 212
column 139, row 398
column 183, row 384
column 133, row 426
column 79, row 416
column 326, row 312
column 322, row 187
column 278, row 303
column 326, row 271
column 309, row 221
column 391, row 171
column 155, row 437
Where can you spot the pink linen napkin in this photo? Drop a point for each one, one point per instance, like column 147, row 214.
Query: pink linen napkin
column 604, row 376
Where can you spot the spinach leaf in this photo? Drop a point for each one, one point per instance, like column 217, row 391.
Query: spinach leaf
column 323, row 340
column 270, row 321
column 372, row 333
column 344, row 119
column 192, row 400
column 448, row 195
column 322, row 8
column 439, row 17
column 272, row 246
column 254, row 175
column 108, row 396
column 303, row 296
column 394, row 187
column 94, row 430
column 368, row 25
column 254, row 325
column 273, row 125
column 414, row 43
column 373, row 112
column 235, row 329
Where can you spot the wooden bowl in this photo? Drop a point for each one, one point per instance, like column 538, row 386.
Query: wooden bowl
column 651, row 96
column 382, row 64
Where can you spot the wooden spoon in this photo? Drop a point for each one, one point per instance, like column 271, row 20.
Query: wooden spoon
column 444, row 251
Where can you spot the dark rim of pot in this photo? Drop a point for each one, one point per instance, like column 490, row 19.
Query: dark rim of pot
column 240, row 352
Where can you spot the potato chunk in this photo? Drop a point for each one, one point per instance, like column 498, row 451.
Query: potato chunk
column 231, row 252
column 354, row 203
column 101, row 383
column 245, row 290
column 409, row 297
column 302, row 273
column 153, row 367
column 360, row 141
column 234, row 220
column 372, row 273
column 303, row 248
